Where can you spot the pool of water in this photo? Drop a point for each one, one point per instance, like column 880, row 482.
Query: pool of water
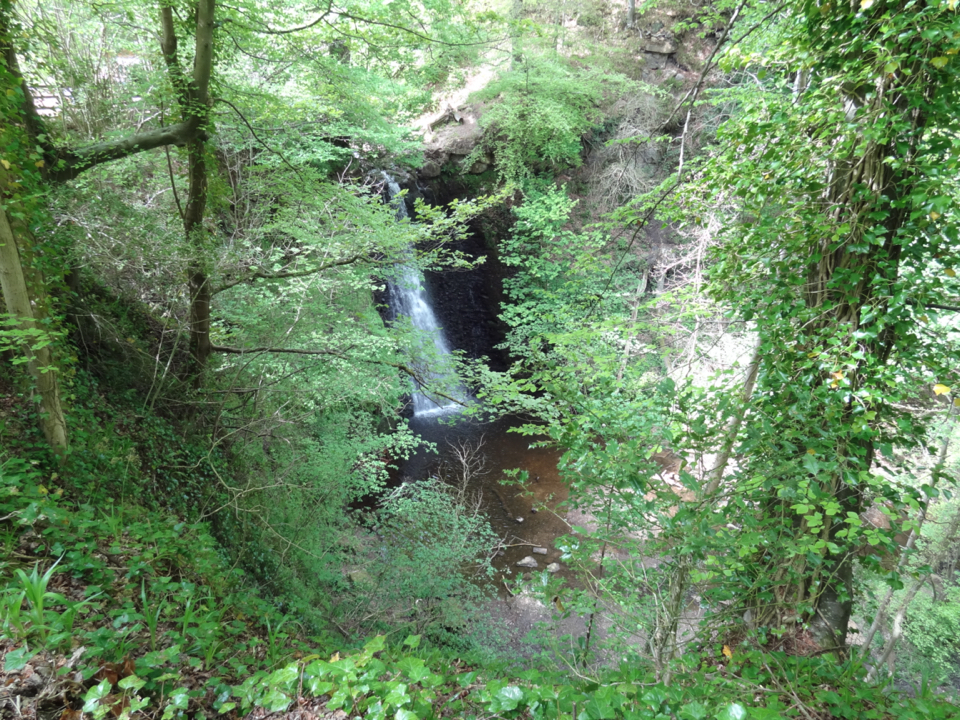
column 524, row 516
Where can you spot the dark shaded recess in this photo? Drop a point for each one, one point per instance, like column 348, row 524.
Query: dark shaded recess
column 466, row 302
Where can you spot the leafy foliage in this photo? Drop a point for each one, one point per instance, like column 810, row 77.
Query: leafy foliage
column 541, row 110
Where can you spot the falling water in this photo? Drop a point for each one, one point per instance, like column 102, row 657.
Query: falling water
column 409, row 298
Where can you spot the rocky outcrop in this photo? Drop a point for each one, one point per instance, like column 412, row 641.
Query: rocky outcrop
column 450, row 139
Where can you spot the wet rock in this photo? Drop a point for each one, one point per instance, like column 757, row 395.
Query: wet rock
column 527, row 562
column 553, row 567
column 540, row 551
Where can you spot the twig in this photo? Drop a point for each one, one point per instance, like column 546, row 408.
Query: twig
column 258, row 138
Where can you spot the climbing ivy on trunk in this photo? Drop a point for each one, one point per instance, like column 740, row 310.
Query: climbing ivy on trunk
column 841, row 172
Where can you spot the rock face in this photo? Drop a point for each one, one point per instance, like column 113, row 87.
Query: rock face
column 453, row 142
column 527, row 562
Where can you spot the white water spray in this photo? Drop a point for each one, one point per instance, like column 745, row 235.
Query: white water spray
column 408, row 297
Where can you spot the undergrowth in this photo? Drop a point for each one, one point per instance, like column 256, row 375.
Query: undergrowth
column 120, row 610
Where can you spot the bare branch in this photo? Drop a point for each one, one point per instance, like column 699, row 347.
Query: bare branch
column 257, row 137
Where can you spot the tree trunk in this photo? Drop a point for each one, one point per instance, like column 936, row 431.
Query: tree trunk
column 200, row 289
column 516, row 34
column 40, row 361
column 194, row 100
column 715, row 476
column 192, row 91
column 21, row 283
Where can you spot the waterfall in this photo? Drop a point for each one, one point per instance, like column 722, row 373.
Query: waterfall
column 408, row 297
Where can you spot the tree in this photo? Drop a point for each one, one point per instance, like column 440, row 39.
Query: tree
column 21, row 273
column 839, row 253
column 239, row 42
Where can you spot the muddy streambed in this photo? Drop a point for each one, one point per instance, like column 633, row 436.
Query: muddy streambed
column 524, row 516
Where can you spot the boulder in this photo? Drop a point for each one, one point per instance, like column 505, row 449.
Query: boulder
column 361, row 578
column 659, row 46
column 653, row 61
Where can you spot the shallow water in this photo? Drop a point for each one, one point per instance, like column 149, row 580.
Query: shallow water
column 523, row 516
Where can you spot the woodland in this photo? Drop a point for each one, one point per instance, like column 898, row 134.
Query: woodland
column 415, row 359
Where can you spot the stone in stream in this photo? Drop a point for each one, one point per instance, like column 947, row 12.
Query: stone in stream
column 540, row 551
column 553, row 567
column 527, row 562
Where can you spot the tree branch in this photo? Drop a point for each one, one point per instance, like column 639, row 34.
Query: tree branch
column 272, row 350
column 271, row 31
column 695, row 90
column 284, row 275
column 934, row 306
column 168, row 48
column 71, row 163
column 68, row 163
column 409, row 31
column 407, row 370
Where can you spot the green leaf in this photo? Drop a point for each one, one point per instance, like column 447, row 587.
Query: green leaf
column 510, row 697
column 733, row 711
column 397, row 696
column 285, row 675
column 375, row 645
column 939, row 62
column 413, row 668
column 17, row 659
column 95, row 695
column 274, row 701
column 693, row 711
column 131, row 682
column 597, row 710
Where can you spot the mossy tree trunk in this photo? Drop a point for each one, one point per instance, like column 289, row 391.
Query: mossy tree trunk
column 40, row 364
